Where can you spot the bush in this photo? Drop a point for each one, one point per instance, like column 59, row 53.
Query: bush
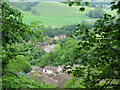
column 74, row 83
column 27, row 68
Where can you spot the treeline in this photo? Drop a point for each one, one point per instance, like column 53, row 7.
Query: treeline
column 25, row 6
column 99, row 4
column 96, row 13
column 64, row 30
column 96, row 4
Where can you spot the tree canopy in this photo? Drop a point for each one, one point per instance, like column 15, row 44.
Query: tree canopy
column 101, row 57
column 15, row 51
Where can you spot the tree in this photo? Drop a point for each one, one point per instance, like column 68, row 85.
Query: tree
column 101, row 46
column 13, row 29
column 27, row 67
column 19, row 64
column 74, row 83
column 96, row 13
column 14, row 48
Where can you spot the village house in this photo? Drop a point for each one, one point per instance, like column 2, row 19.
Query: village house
column 40, row 44
column 58, row 37
column 40, row 78
column 51, row 81
column 37, row 69
column 76, row 65
column 49, row 48
column 50, row 70
column 40, row 71
column 50, row 75
column 60, row 68
column 61, row 78
column 36, row 76
column 67, row 69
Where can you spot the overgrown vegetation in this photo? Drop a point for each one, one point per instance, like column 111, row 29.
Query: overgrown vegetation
column 62, row 54
column 15, row 52
column 101, row 57
column 22, row 6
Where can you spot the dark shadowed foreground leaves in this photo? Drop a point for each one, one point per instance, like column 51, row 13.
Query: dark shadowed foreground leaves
column 101, row 47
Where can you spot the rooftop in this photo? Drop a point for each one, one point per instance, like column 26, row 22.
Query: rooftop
column 50, row 67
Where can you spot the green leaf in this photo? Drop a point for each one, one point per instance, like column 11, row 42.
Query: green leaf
column 78, row 3
column 114, row 7
column 77, row 25
column 82, row 9
column 87, row 3
column 71, row 3
column 112, row 2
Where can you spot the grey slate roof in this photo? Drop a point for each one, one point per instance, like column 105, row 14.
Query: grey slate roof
column 62, row 66
column 35, row 68
column 62, row 78
column 51, row 81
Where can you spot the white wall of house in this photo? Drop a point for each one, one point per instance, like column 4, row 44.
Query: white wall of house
column 47, row 71
column 59, row 69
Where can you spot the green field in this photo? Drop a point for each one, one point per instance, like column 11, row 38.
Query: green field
column 56, row 14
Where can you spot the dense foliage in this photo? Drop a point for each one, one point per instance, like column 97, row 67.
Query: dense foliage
column 50, row 31
column 13, row 30
column 15, row 51
column 25, row 6
column 74, row 83
column 99, row 4
column 62, row 54
column 101, row 57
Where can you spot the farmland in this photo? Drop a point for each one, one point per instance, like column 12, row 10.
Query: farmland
column 57, row 14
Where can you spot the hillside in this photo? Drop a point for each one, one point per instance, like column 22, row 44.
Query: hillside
column 55, row 9
column 57, row 14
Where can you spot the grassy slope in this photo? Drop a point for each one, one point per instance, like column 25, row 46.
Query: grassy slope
column 56, row 14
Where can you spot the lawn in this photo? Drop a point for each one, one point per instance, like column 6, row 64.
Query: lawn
column 54, row 20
